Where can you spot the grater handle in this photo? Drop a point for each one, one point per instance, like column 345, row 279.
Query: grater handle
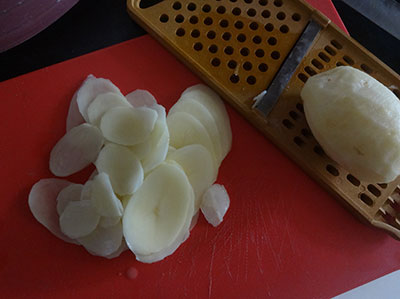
column 382, row 225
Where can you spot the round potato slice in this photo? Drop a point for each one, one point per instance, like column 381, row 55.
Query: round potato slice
column 140, row 98
column 74, row 117
column 69, row 193
column 123, row 168
column 157, row 215
column 75, row 150
column 128, row 126
column 103, row 197
column 108, row 221
column 214, row 204
column 104, row 102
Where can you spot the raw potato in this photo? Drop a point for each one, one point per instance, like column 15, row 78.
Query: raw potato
column 356, row 119
column 69, row 193
column 103, row 197
column 157, row 215
column 79, row 219
column 214, row 204
column 123, row 168
column 140, row 98
column 184, row 130
column 128, row 126
column 104, row 102
column 74, row 117
column 198, row 165
column 108, row 221
column 75, row 150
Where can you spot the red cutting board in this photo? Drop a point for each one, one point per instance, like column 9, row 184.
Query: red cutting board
column 283, row 236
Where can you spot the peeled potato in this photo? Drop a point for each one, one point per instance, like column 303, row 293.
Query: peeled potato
column 158, row 214
column 103, row 197
column 123, row 168
column 69, row 193
column 214, row 204
column 109, row 221
column 104, row 102
column 356, row 119
column 74, row 117
column 75, row 150
column 140, row 98
column 128, row 126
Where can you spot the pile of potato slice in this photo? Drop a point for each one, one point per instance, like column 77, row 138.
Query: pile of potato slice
column 153, row 173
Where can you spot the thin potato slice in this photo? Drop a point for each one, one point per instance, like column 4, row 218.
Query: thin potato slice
column 214, row 204
column 140, row 98
column 89, row 89
column 157, row 215
column 104, row 102
column 69, row 193
column 74, row 117
column 122, row 166
column 75, row 150
column 108, row 221
column 103, row 197
column 128, row 126
column 79, row 219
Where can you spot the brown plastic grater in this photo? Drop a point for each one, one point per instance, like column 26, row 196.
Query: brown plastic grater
column 238, row 47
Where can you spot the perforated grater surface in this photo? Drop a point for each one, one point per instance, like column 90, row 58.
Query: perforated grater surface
column 238, row 46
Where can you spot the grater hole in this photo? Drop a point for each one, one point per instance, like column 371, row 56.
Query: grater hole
column 383, row 186
column 206, row 8
column 253, row 25
column 260, row 53
column 269, row 27
column 224, row 23
column 257, row 39
column 339, row 63
column 208, row 21
column 193, row 20
column 317, row 64
column 248, row 1
column 319, row 151
column 336, row 44
column 366, row 68
column 281, row 15
column 195, row 33
column 236, row 11
column 180, row 32
column 234, row 78
column 366, row 199
column 226, row 36
column 221, row 9
column 239, row 24
column 232, row 64
column 284, row 29
column 375, row 191
column 263, row 2
column 324, row 57
column 266, row 13
column 244, row 51
column 198, row 46
column 215, row 62
column 278, row 3
column 296, row 17
column 294, row 115
column 179, row 18
column 213, row 49
column 233, row 0
column 247, row 66
column 177, row 5
column 164, row 18
column 211, row 34
column 251, row 12
column 298, row 141
column 306, row 133
column 332, row 170
column 330, row 50
column 272, row 41
column 302, row 77
column 310, row 71
column 228, row 50
column 348, row 60
column 191, row 6
column 251, row 80
column 352, row 179
column 287, row 123
column 262, row 67
column 300, row 107
column 275, row 55
column 241, row 38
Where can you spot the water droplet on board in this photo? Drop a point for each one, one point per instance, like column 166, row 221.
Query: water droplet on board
column 132, row 273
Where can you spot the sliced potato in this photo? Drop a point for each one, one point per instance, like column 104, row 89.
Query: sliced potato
column 199, row 166
column 69, row 193
column 78, row 219
column 75, row 150
column 109, row 221
column 140, row 98
column 157, row 215
column 128, row 126
column 122, row 166
column 74, row 117
column 104, row 102
column 103, row 197
column 214, row 204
